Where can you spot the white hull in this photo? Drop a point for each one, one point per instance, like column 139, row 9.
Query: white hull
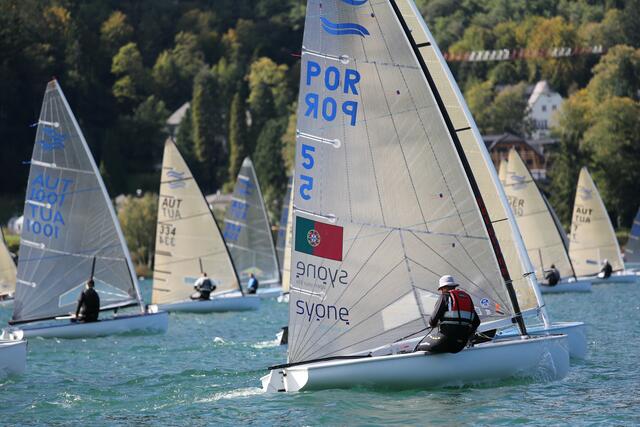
column 137, row 323
column 570, row 285
column 576, row 333
column 13, row 357
column 626, row 276
column 544, row 357
column 228, row 302
column 272, row 292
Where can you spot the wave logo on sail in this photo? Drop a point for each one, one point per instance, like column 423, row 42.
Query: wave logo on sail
column 585, row 193
column 518, row 181
column 343, row 29
column 52, row 139
column 177, row 179
column 355, row 2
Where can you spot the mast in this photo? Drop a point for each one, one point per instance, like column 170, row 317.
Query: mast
column 453, row 133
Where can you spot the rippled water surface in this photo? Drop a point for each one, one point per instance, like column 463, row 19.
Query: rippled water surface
column 207, row 369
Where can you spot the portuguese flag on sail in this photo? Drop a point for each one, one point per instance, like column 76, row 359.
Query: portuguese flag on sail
column 318, row 239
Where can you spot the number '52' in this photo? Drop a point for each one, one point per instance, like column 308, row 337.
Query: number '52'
column 306, row 181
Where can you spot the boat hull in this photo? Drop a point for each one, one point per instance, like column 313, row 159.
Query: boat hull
column 13, row 357
column 234, row 302
column 271, row 292
column 625, row 276
column 576, row 333
column 573, row 285
column 543, row 357
column 137, row 323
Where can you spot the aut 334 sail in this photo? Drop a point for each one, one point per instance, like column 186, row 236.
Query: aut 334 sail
column 69, row 221
column 188, row 240
column 247, row 230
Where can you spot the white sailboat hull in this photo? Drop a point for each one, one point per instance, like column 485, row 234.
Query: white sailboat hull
column 544, row 357
column 228, row 302
column 270, row 292
column 137, row 323
column 582, row 284
column 13, row 357
column 576, row 333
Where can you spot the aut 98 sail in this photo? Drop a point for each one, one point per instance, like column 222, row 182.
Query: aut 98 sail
column 7, row 269
column 592, row 239
column 247, row 230
column 69, row 221
column 385, row 197
column 188, row 240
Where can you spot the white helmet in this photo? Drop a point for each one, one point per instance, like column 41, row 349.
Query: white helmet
column 447, row 281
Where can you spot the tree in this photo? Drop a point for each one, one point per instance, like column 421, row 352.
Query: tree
column 479, row 96
column 262, row 109
column 207, row 118
column 238, row 137
column 269, row 164
column 508, row 112
column 137, row 216
column 265, row 71
column 617, row 74
column 131, row 85
column 289, row 141
column 115, row 31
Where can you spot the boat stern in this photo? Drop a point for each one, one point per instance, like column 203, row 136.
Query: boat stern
column 273, row 382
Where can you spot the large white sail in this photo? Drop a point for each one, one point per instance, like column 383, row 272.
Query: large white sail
column 69, row 221
column 632, row 249
column 7, row 269
column 247, row 230
column 282, row 227
column 592, row 239
column 385, row 201
column 188, row 240
column 539, row 231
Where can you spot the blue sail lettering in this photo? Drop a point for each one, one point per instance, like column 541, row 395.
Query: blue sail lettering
column 332, row 80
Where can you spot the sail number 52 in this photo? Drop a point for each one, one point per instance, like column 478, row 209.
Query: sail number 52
column 306, row 181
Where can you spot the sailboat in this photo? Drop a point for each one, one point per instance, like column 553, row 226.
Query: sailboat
column 542, row 238
column 188, row 244
column 13, row 355
column 247, row 232
column 70, row 234
column 632, row 249
column 7, row 274
column 385, row 203
column 592, row 239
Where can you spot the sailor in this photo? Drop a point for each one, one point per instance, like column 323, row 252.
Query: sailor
column 553, row 276
column 453, row 322
column 88, row 304
column 606, row 271
column 204, row 286
column 252, row 286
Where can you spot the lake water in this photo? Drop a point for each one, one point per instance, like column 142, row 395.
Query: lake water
column 207, row 368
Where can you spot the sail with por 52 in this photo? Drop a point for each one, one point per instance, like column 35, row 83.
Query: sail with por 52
column 68, row 221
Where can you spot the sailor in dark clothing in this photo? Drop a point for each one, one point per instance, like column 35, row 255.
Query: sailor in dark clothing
column 453, row 322
column 88, row 304
column 252, row 286
column 606, row 271
column 553, row 276
column 204, row 287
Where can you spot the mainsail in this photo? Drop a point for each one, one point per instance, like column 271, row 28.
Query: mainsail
column 632, row 249
column 282, row 227
column 502, row 171
column 385, row 201
column 592, row 239
column 7, row 269
column 247, row 231
column 539, row 231
column 69, row 221
column 188, row 240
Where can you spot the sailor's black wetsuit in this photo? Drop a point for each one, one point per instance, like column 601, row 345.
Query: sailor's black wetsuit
column 606, row 270
column 552, row 277
column 453, row 322
column 88, row 306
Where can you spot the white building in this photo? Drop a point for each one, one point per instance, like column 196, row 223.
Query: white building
column 544, row 105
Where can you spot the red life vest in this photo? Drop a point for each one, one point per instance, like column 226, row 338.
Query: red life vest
column 460, row 308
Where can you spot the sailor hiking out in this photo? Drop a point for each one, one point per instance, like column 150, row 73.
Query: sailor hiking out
column 552, row 276
column 252, row 286
column 606, row 271
column 203, row 287
column 88, row 307
column 454, row 320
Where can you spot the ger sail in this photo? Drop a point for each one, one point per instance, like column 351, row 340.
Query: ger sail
column 7, row 271
column 247, row 231
column 592, row 238
column 385, row 203
column 189, row 244
column 71, row 233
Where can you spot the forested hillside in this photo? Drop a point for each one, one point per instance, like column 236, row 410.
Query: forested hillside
column 126, row 65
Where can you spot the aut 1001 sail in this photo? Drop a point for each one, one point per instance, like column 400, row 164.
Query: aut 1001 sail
column 69, row 221
column 188, row 240
column 247, row 231
column 592, row 239
column 542, row 238
column 385, row 199
column 7, row 269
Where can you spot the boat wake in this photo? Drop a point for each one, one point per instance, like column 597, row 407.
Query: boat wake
column 242, row 392
column 266, row 344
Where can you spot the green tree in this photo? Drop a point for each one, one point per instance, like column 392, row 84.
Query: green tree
column 137, row 216
column 262, row 109
column 479, row 96
column 270, row 166
column 238, row 137
column 289, row 141
column 508, row 112
column 265, row 71
column 127, row 65
column 115, row 31
column 617, row 74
